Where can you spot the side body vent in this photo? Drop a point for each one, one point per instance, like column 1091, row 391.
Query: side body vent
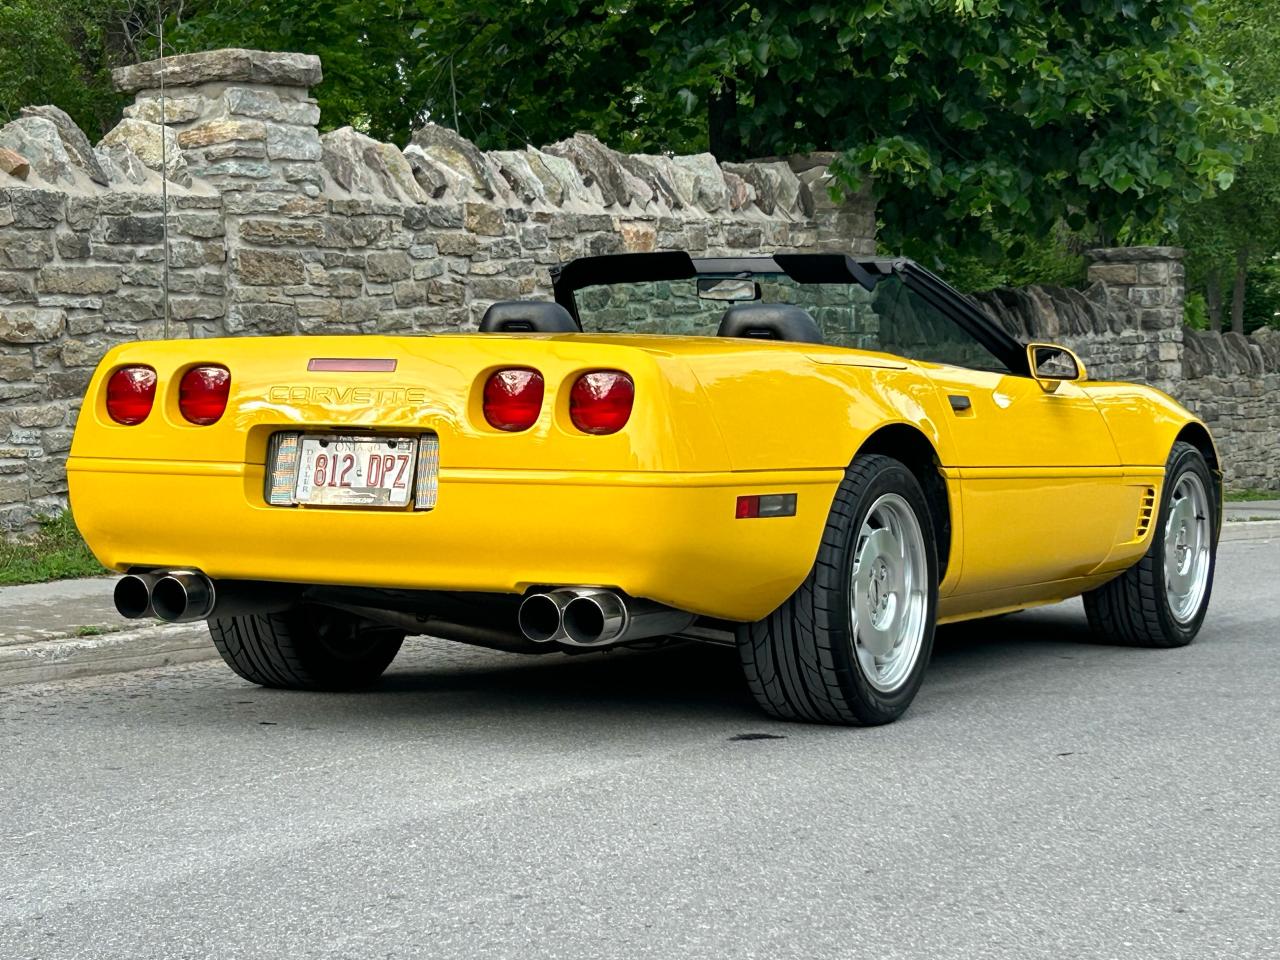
column 1146, row 510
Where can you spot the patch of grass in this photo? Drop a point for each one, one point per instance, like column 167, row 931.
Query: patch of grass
column 90, row 631
column 54, row 552
column 1244, row 495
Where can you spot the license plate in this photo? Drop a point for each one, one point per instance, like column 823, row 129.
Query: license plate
column 346, row 471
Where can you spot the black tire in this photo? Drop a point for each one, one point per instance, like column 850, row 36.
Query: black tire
column 307, row 648
column 1133, row 609
column 800, row 661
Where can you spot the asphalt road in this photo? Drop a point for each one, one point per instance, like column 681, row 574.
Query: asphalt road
column 1045, row 797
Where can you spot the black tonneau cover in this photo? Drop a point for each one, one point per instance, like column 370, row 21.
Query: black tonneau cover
column 678, row 265
column 614, row 268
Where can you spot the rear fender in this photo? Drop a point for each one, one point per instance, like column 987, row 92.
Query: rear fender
column 788, row 410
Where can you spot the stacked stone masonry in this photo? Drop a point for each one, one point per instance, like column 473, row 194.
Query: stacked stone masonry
column 274, row 228
column 1127, row 325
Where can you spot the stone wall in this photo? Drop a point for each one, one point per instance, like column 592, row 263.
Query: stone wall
column 1233, row 382
column 1127, row 325
column 274, row 228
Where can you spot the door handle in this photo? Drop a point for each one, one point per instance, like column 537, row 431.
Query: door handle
column 959, row 402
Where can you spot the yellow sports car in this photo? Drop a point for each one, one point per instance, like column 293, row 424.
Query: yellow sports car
column 812, row 457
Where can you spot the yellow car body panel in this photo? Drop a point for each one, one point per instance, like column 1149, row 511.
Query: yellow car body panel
column 649, row 510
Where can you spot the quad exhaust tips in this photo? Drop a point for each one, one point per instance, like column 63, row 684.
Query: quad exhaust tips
column 184, row 596
column 590, row 617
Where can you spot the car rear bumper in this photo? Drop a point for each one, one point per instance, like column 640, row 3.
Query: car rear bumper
column 668, row 537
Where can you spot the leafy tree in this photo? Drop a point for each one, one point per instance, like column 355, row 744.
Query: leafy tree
column 983, row 124
column 1262, row 294
column 1228, row 233
column 971, row 115
column 47, row 56
column 367, row 48
column 62, row 52
column 974, row 117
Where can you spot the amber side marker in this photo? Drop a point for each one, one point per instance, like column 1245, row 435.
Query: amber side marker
column 350, row 365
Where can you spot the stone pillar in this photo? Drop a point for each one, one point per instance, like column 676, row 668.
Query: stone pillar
column 1152, row 282
column 243, row 118
column 847, row 226
column 245, row 126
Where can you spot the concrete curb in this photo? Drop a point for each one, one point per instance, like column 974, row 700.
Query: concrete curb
column 1250, row 529
column 156, row 646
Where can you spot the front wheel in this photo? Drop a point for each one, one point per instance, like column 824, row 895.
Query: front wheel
column 1161, row 600
column 851, row 644
column 306, row 648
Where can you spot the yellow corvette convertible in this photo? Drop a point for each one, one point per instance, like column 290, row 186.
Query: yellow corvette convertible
column 812, row 457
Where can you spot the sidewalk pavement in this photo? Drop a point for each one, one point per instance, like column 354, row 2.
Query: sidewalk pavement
column 70, row 628
column 1252, row 510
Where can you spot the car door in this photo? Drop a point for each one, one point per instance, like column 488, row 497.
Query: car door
column 1041, row 487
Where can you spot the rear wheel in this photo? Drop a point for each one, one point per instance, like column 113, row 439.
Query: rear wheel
column 851, row 644
column 307, row 648
column 1161, row 600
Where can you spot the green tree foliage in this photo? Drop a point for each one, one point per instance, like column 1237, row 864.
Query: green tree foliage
column 985, row 113
column 1262, row 294
column 369, row 54
column 975, row 118
column 57, row 51
column 984, row 125
column 1239, row 229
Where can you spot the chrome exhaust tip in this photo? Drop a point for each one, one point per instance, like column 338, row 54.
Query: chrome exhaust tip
column 540, row 616
column 182, row 597
column 594, row 619
column 132, row 595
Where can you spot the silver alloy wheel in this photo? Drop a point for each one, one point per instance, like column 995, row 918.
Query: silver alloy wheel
column 1188, row 540
column 889, row 593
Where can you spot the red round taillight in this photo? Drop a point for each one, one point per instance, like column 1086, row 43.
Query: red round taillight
column 131, row 392
column 601, row 402
column 513, row 399
column 202, row 395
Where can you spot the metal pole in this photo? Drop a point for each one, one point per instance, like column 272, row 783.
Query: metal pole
column 164, row 174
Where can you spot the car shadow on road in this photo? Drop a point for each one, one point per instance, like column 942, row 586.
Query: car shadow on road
column 693, row 675
column 450, row 686
column 1025, row 631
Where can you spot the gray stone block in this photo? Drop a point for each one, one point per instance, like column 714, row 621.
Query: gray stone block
column 282, row 232
column 230, row 66
column 270, row 105
column 34, row 209
column 268, row 267
column 290, row 142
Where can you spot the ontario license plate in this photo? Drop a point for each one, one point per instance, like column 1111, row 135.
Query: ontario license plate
column 347, row 471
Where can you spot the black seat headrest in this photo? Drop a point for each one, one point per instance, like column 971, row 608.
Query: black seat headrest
column 527, row 316
column 769, row 321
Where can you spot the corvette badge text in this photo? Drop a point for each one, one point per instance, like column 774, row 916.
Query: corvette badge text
column 340, row 395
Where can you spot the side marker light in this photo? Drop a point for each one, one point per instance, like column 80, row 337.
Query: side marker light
column 766, row 505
